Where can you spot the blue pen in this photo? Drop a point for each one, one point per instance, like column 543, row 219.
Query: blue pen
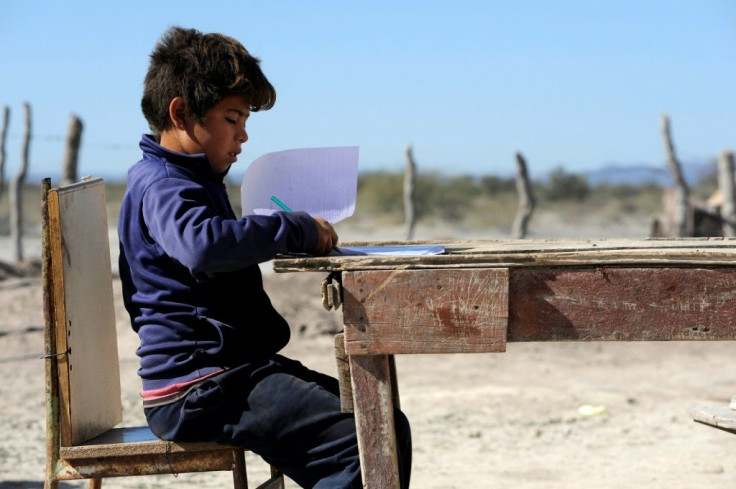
column 288, row 209
column 281, row 204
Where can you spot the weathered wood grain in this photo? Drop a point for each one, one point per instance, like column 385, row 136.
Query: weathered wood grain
column 627, row 304
column 674, row 252
column 343, row 374
column 374, row 417
column 465, row 310
column 425, row 311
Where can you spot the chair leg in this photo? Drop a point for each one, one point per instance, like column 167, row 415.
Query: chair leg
column 95, row 483
column 50, row 483
column 240, row 474
column 275, row 482
column 278, row 478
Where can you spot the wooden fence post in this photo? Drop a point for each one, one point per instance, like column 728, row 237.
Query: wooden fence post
column 682, row 193
column 526, row 199
column 71, row 154
column 409, row 194
column 726, row 185
column 16, row 190
column 3, row 137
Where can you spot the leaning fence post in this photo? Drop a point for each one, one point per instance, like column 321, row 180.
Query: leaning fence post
column 71, row 154
column 682, row 192
column 409, row 193
column 16, row 190
column 726, row 185
column 526, row 199
column 3, row 137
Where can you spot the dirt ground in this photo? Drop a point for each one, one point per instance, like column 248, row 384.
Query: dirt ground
column 520, row 419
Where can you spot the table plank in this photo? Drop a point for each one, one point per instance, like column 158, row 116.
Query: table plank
column 425, row 311
column 626, row 304
column 675, row 252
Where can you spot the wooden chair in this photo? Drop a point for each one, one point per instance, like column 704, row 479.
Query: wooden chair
column 83, row 397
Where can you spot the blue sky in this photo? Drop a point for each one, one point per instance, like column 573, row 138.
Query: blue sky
column 578, row 84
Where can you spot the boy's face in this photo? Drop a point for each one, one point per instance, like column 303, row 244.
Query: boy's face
column 220, row 135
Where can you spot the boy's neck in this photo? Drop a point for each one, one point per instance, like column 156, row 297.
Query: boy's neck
column 170, row 139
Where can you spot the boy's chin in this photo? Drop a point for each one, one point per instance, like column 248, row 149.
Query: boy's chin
column 221, row 169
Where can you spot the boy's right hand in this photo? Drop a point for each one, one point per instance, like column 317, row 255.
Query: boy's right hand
column 327, row 237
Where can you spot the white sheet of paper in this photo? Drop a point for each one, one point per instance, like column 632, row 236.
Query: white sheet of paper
column 320, row 181
column 390, row 250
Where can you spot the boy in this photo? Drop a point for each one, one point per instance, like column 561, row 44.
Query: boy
column 209, row 335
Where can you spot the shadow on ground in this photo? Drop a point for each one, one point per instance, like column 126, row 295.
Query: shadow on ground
column 37, row 485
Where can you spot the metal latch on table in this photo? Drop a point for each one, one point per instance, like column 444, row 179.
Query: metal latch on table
column 331, row 291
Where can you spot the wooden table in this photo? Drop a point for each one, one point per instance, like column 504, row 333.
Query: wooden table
column 481, row 294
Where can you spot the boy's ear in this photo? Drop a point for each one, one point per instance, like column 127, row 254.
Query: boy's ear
column 178, row 112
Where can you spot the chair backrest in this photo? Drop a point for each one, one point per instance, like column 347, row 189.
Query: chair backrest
column 83, row 311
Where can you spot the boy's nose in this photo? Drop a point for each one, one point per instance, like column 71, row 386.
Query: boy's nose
column 243, row 136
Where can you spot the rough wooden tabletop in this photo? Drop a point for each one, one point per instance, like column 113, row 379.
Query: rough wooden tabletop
column 677, row 252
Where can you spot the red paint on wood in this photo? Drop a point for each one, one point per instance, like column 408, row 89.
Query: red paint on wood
column 425, row 311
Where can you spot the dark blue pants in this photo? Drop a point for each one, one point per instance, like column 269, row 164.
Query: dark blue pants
column 284, row 412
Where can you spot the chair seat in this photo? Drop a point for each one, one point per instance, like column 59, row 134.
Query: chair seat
column 135, row 440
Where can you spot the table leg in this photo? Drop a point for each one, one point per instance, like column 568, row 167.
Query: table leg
column 374, row 418
column 343, row 374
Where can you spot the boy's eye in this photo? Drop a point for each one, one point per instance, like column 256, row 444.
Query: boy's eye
column 231, row 121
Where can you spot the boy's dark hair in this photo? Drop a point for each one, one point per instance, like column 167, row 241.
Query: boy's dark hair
column 202, row 69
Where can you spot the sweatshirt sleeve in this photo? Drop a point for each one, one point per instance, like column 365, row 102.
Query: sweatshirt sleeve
column 182, row 220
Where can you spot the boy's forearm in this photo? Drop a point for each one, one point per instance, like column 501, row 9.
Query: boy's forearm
column 208, row 245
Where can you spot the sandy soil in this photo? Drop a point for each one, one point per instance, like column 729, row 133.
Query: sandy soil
column 509, row 420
